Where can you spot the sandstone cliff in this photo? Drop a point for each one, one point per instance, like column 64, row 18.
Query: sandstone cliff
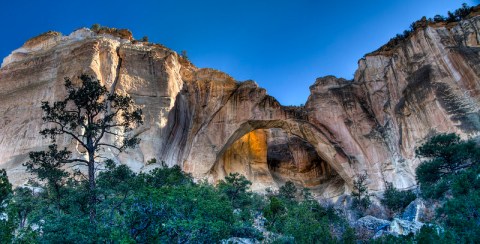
column 211, row 125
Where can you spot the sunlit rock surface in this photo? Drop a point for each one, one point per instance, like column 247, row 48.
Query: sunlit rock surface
column 211, row 125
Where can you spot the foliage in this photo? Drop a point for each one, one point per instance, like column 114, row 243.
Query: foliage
column 459, row 14
column 455, row 16
column 306, row 225
column 235, row 187
column 6, row 225
column 184, row 55
column 152, row 161
column 427, row 234
column 461, row 214
column 274, row 211
column 47, row 165
column 5, row 188
column 288, row 191
column 95, row 27
column 7, row 228
column 361, row 197
column 395, row 199
column 446, row 155
column 88, row 114
column 450, row 174
column 390, row 239
column 304, row 222
column 163, row 205
column 461, row 209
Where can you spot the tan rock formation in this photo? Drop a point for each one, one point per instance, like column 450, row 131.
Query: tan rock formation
column 210, row 124
column 427, row 84
column 270, row 157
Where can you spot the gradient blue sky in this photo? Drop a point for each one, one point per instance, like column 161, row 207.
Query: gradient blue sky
column 282, row 45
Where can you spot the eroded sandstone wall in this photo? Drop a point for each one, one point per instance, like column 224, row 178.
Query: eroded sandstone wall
column 35, row 72
column 428, row 84
column 202, row 118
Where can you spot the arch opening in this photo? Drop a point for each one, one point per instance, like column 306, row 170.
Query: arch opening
column 269, row 157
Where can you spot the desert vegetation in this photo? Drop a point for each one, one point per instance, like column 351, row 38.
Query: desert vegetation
column 107, row 202
column 113, row 204
column 166, row 205
column 449, row 184
column 455, row 16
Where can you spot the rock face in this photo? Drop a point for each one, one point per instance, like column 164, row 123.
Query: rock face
column 428, row 84
column 211, row 125
column 270, row 157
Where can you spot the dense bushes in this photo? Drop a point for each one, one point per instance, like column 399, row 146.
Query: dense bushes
column 447, row 158
column 361, row 197
column 161, row 206
column 450, row 175
column 305, row 221
column 164, row 205
column 457, row 15
column 395, row 199
column 448, row 178
column 454, row 16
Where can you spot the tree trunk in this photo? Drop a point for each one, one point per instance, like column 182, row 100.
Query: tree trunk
column 91, row 187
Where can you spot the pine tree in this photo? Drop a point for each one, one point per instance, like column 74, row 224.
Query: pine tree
column 87, row 115
column 361, row 197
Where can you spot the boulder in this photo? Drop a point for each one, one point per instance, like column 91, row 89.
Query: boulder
column 405, row 227
column 237, row 240
column 373, row 224
column 414, row 211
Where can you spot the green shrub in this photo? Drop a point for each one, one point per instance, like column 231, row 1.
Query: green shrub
column 288, row 191
column 450, row 174
column 459, row 14
column 446, row 155
column 395, row 199
column 95, row 27
column 361, row 197
column 235, row 187
column 5, row 188
column 305, row 222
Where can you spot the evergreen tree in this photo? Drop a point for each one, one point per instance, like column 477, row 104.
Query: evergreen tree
column 5, row 188
column 87, row 115
column 235, row 187
column 395, row 199
column 6, row 225
column 445, row 154
column 361, row 197
column 288, row 191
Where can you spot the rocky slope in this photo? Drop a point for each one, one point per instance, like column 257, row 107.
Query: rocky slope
column 211, row 125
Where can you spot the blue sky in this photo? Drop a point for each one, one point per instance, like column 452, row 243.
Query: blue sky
column 282, row 45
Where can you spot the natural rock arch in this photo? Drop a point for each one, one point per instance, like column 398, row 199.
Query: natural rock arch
column 302, row 129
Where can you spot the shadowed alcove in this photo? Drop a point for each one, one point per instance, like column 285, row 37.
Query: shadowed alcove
column 271, row 157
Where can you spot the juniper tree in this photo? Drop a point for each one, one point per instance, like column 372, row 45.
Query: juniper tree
column 5, row 188
column 87, row 115
column 361, row 197
column 288, row 191
column 235, row 187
